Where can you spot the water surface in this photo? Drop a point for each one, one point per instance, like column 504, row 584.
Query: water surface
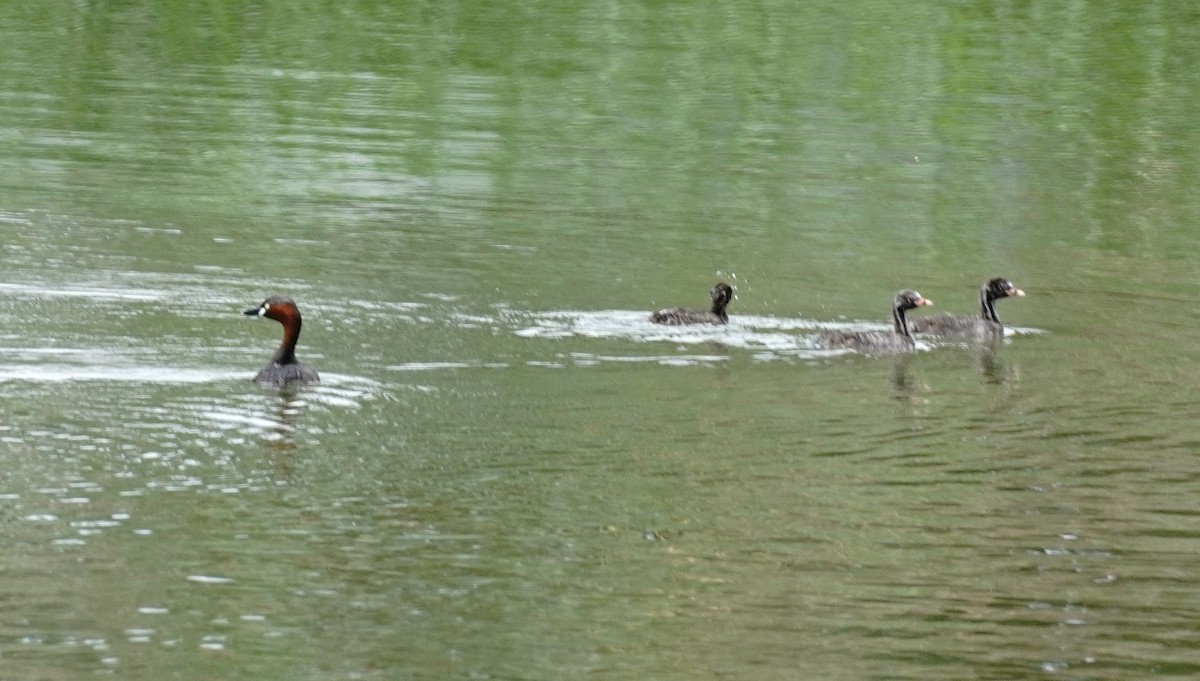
column 507, row 471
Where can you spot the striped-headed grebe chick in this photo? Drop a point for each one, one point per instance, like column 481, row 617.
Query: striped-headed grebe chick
column 721, row 294
column 872, row 342
column 982, row 326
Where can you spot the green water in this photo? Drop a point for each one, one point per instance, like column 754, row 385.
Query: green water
column 507, row 472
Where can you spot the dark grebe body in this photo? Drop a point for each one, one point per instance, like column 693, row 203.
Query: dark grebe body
column 721, row 294
column 984, row 326
column 283, row 369
column 899, row 340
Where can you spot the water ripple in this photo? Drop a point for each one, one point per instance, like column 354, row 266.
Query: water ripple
column 771, row 338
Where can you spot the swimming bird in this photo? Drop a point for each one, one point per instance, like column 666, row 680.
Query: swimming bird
column 283, row 369
column 898, row 340
column 985, row 324
column 721, row 294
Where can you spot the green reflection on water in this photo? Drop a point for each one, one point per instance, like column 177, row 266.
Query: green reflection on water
column 460, row 499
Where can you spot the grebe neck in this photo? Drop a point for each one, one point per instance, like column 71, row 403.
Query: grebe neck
column 900, row 321
column 286, row 354
column 987, row 305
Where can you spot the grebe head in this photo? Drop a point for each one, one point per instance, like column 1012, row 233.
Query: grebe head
column 993, row 290
column 909, row 299
column 906, row 299
column 721, row 293
column 1001, row 288
column 279, row 308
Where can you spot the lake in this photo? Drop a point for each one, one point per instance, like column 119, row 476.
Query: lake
column 508, row 472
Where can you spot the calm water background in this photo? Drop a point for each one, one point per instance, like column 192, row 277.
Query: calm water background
column 507, row 473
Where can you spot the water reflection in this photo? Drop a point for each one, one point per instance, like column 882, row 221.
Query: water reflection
column 63, row 373
column 904, row 387
column 987, row 357
column 452, row 189
column 288, row 412
column 992, row 366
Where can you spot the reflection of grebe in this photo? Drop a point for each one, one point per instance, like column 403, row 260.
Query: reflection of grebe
column 284, row 368
column 879, row 341
column 721, row 294
column 985, row 325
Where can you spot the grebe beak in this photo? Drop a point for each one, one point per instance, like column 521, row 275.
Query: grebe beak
column 1014, row 292
column 924, row 301
column 254, row 311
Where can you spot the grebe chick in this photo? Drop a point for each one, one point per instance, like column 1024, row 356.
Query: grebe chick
column 721, row 294
column 283, row 369
column 899, row 340
column 985, row 325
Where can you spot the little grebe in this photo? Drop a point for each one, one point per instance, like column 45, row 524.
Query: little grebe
column 986, row 325
column 283, row 369
column 879, row 341
column 721, row 294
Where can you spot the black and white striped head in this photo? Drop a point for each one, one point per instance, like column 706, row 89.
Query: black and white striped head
column 905, row 300
column 909, row 299
column 991, row 292
column 1001, row 288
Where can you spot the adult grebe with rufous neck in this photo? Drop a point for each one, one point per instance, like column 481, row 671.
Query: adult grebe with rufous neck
column 283, row 369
